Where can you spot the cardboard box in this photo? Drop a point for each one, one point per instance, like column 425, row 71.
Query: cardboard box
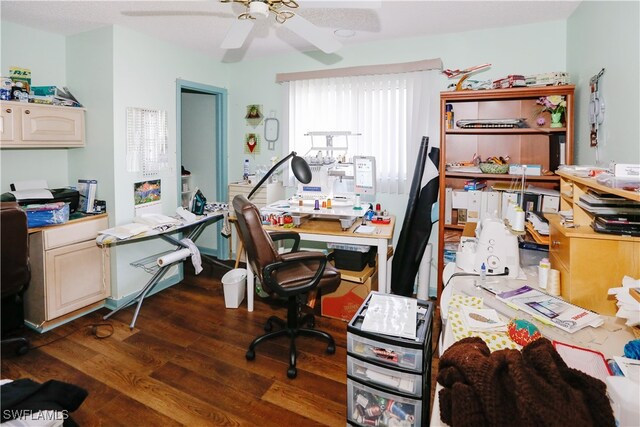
column 347, row 299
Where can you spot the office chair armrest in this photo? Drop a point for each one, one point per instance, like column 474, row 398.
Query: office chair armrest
column 289, row 260
column 287, row 235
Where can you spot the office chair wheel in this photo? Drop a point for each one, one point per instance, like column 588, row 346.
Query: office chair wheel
column 292, row 372
column 250, row 355
column 331, row 348
column 22, row 349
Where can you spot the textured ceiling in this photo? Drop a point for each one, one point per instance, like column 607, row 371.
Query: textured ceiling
column 202, row 25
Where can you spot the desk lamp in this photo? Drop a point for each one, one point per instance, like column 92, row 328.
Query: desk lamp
column 299, row 167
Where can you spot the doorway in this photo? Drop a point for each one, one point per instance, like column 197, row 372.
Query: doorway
column 201, row 155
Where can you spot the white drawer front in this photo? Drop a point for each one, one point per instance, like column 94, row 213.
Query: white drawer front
column 74, row 232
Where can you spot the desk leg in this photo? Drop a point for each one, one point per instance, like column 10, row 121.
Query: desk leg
column 250, row 287
column 383, row 285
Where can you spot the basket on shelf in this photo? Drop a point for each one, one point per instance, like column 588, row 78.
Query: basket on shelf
column 494, row 168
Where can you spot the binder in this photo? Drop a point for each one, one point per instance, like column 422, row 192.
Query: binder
column 474, row 205
column 87, row 189
column 448, row 205
column 490, row 204
column 557, row 144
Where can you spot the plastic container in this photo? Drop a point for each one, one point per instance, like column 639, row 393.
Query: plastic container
column 234, row 284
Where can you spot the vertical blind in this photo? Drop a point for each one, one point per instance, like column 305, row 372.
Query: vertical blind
column 391, row 112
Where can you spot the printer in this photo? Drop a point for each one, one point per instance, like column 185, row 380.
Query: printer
column 67, row 195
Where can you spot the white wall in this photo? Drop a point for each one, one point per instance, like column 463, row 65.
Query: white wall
column 607, row 35
column 44, row 54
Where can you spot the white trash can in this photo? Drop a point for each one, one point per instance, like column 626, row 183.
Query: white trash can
column 234, row 284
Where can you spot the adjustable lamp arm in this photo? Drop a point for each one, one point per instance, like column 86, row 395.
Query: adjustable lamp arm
column 299, row 167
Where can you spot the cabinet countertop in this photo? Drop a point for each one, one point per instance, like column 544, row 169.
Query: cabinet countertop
column 74, row 218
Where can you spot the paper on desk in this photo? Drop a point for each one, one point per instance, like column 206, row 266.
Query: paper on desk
column 126, row 230
column 391, row 315
column 365, row 229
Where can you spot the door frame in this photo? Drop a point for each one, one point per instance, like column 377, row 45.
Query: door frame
column 221, row 101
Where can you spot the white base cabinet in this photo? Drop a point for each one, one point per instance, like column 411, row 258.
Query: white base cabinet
column 69, row 272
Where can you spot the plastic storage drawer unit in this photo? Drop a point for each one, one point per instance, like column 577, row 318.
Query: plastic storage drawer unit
column 369, row 406
column 394, row 379
column 410, row 354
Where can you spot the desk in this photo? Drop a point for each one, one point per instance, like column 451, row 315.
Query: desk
column 329, row 230
column 608, row 339
column 194, row 229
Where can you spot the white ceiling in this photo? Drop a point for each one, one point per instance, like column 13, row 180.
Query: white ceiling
column 202, row 25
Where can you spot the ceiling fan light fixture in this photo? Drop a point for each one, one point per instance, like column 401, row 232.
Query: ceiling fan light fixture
column 258, row 10
column 344, row 33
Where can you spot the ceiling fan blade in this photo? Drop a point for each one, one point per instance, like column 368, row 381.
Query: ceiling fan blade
column 313, row 34
column 341, row 4
column 237, row 34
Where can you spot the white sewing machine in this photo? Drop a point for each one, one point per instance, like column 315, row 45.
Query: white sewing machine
column 330, row 181
column 494, row 245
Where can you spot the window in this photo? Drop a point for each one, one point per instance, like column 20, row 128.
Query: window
column 390, row 112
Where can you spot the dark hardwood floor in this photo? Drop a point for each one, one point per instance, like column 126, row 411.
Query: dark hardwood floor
column 184, row 364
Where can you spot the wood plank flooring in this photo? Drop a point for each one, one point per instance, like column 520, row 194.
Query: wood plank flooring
column 184, row 364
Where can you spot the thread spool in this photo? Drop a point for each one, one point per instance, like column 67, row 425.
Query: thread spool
column 518, row 220
column 553, row 282
column 543, row 272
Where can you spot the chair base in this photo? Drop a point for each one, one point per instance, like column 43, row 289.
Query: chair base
column 292, row 329
column 22, row 346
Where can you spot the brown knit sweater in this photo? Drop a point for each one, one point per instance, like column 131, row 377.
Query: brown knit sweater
column 512, row 388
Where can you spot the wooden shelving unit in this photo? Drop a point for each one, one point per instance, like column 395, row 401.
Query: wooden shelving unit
column 528, row 145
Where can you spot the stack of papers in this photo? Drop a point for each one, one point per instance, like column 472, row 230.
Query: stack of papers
column 628, row 303
column 539, row 222
column 550, row 309
column 482, row 319
column 391, row 315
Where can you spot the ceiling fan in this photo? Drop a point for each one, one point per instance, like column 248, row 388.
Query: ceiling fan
column 281, row 10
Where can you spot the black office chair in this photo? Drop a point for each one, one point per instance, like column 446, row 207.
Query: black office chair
column 289, row 275
column 15, row 272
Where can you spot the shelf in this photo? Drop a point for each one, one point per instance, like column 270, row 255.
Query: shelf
column 454, row 226
column 503, row 176
column 504, row 94
column 506, row 131
column 592, row 183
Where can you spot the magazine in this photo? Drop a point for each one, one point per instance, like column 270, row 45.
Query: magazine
column 550, row 309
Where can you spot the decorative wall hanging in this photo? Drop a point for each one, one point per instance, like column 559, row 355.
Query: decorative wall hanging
column 254, row 115
column 271, row 131
column 146, row 141
column 252, row 143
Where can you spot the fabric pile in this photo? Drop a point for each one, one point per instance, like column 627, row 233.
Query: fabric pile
column 512, row 388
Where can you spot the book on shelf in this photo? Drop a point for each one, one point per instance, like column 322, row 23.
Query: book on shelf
column 550, row 309
column 87, row 190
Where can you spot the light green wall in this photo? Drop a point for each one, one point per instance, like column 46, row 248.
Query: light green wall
column 115, row 68
column 144, row 75
column 44, row 54
column 199, row 153
column 607, row 35
column 523, row 49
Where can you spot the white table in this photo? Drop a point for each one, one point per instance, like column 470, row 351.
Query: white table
column 609, row 339
column 329, row 230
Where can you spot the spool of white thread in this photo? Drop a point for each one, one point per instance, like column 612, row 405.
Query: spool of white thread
column 518, row 220
column 543, row 272
column 553, row 282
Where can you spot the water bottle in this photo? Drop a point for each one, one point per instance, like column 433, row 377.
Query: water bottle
column 245, row 174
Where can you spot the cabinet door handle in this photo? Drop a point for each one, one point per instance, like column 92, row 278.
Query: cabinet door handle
column 27, row 111
column 9, row 110
column 555, row 243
